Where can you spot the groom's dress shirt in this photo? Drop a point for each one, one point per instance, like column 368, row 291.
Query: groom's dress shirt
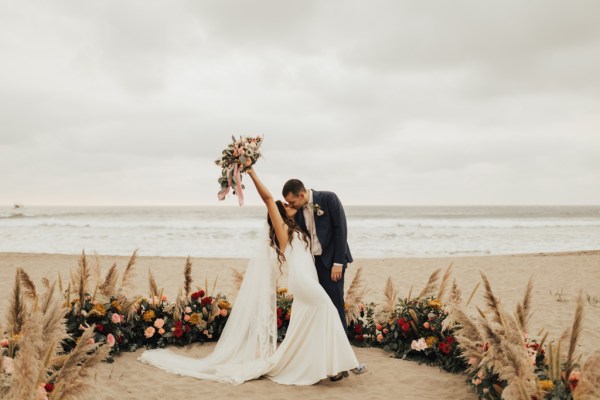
column 309, row 217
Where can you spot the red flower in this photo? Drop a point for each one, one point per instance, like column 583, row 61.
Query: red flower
column 279, row 312
column 49, row 387
column 358, row 328
column 279, row 323
column 450, row 339
column 360, row 338
column 99, row 327
column 178, row 324
column 178, row 332
column 206, row 301
column 120, row 339
column 404, row 325
column 444, row 347
column 198, row 295
column 187, row 328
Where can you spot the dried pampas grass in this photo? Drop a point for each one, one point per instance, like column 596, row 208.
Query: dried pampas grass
column 491, row 301
column 354, row 296
column 575, row 334
column 127, row 275
column 107, row 287
column 431, row 284
column 187, row 273
column 16, row 313
column 28, row 285
column 72, row 381
column 589, row 385
column 524, row 309
column 152, row 285
column 80, row 281
column 390, row 295
column 28, row 362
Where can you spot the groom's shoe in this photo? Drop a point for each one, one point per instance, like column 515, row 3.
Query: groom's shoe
column 361, row 369
column 337, row 377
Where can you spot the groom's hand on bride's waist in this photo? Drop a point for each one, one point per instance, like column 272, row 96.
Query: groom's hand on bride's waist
column 336, row 272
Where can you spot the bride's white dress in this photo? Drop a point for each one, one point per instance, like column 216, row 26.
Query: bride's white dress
column 315, row 345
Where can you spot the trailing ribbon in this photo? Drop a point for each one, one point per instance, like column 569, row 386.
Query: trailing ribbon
column 238, row 184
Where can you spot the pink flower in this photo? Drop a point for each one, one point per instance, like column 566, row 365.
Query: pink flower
column 385, row 331
column 110, row 339
column 188, row 310
column 426, row 325
column 159, row 323
column 164, row 297
column 161, row 331
column 149, row 332
column 116, row 319
column 7, row 365
column 378, row 327
column 223, row 313
column 186, row 318
column 91, row 341
column 379, row 337
column 122, row 318
column 4, row 343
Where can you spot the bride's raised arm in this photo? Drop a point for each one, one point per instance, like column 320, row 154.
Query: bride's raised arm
column 280, row 227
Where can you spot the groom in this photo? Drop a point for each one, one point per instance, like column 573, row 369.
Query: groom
column 322, row 217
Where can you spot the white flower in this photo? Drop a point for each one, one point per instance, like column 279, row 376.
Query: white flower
column 418, row 345
column 316, row 208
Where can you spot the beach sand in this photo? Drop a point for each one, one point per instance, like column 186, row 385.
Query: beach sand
column 564, row 273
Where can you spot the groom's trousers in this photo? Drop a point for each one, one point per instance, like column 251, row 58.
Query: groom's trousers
column 335, row 290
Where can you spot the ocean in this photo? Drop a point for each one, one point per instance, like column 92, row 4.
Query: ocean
column 227, row 231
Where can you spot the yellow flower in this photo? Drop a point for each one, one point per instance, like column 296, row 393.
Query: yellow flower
column 115, row 304
column 224, row 304
column 99, row 309
column 282, row 290
column 546, row 385
column 149, row 315
column 431, row 341
column 195, row 318
column 435, row 303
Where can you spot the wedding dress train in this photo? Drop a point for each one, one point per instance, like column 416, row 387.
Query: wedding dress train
column 315, row 345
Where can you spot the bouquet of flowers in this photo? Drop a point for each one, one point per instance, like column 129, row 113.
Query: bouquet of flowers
column 240, row 154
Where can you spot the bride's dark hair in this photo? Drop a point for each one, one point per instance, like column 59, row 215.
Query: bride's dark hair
column 292, row 226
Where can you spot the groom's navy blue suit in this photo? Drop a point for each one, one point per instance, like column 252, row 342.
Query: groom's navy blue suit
column 332, row 233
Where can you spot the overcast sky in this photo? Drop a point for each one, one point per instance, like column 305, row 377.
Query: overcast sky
column 384, row 102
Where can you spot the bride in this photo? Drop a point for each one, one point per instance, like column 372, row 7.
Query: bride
column 315, row 346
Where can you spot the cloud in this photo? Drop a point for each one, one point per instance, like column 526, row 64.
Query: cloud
column 387, row 103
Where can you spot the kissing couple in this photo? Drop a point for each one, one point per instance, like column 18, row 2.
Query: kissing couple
column 307, row 235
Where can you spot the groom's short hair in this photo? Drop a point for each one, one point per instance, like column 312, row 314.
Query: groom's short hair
column 293, row 186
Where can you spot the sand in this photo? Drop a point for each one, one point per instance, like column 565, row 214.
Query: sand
column 564, row 273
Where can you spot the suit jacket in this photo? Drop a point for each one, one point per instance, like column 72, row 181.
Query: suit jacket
column 331, row 228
